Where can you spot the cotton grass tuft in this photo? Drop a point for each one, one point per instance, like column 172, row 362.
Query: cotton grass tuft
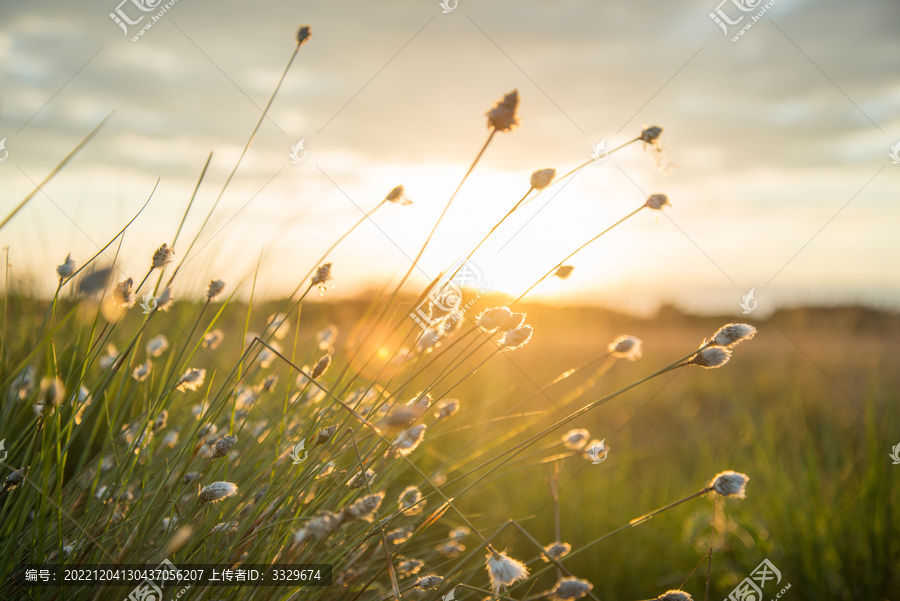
column 657, row 202
column 123, row 295
column 626, row 347
column 428, row 582
column 502, row 117
column 733, row 334
column 711, row 357
column 217, row 491
column 542, row 178
column 569, row 588
column 191, row 380
column 214, row 289
column 504, row 571
column 66, row 269
column 164, row 255
column 730, row 484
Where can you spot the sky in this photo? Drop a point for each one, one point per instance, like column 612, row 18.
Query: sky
column 777, row 145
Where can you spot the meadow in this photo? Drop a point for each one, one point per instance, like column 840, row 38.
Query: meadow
column 818, row 506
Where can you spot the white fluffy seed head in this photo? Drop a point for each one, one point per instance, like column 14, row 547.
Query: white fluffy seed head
column 733, row 334
column 409, row 566
column 141, row 372
column 365, row 507
column 451, row 548
column 657, row 202
column 161, row 420
column 504, row 570
column 164, row 255
column 428, row 582
column 626, row 347
column 214, row 289
column 224, row 527
column 569, row 588
column 165, row 300
column 321, row 366
column 575, row 439
column 447, row 408
column 217, row 491
column 123, row 295
column 67, row 268
column 322, row 277
column 541, row 179
column 557, row 550
column 398, row 536
column 730, row 484
column 515, row 320
column 319, row 526
column 213, row 339
column 517, row 338
column 157, row 345
column 360, row 480
column 410, row 501
column 191, row 380
column 409, row 440
column 418, row 405
column 223, row 445
column 493, row 319
column 711, row 357
column 502, row 117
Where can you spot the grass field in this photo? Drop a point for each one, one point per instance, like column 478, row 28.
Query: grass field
column 806, row 409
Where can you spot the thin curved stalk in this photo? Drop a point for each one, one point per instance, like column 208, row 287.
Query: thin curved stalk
column 56, row 170
column 238, row 163
column 573, row 253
